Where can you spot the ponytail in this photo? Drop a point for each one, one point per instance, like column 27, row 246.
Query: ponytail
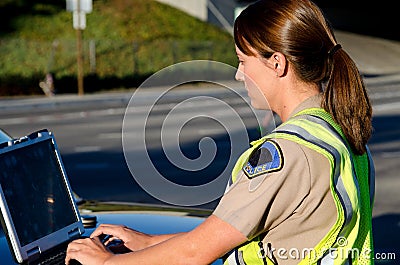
column 346, row 99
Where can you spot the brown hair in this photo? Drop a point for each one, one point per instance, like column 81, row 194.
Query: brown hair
column 299, row 30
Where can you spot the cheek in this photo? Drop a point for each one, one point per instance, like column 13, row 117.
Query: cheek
column 254, row 79
column 257, row 85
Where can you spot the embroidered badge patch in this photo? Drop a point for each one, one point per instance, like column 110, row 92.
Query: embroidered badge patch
column 267, row 158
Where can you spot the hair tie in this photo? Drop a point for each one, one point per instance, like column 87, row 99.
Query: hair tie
column 334, row 50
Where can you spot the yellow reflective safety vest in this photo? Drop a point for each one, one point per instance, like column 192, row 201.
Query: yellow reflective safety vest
column 349, row 241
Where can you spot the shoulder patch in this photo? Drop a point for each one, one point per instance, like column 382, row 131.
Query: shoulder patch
column 267, row 158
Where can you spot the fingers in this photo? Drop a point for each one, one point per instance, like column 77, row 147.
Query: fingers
column 88, row 250
column 132, row 239
column 113, row 230
column 73, row 251
column 110, row 239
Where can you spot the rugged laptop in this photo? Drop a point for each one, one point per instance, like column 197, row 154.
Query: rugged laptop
column 39, row 214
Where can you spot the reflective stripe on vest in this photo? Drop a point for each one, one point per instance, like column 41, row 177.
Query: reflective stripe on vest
column 352, row 189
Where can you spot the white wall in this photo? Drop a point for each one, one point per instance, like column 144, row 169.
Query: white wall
column 196, row 8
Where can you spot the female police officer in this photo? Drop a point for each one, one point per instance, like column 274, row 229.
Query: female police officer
column 299, row 195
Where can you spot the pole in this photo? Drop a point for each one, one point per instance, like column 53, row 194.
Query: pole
column 79, row 49
column 79, row 61
column 79, row 8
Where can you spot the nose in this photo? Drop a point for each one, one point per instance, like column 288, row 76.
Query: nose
column 239, row 76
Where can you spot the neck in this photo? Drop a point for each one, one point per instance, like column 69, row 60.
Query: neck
column 293, row 97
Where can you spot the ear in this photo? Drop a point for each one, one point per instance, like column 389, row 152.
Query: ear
column 279, row 63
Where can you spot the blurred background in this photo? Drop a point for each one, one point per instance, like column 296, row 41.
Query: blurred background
column 125, row 41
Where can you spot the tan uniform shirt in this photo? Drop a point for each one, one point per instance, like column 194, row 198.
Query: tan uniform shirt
column 293, row 207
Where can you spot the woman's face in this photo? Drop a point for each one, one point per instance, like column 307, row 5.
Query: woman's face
column 259, row 77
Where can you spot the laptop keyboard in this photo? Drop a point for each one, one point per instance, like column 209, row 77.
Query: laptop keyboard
column 58, row 259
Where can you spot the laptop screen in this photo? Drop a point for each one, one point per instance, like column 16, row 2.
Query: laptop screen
column 35, row 191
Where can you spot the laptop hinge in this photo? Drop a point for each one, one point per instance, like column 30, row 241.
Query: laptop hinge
column 33, row 253
column 74, row 233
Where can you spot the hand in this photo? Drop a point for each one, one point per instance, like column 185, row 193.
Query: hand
column 131, row 239
column 88, row 251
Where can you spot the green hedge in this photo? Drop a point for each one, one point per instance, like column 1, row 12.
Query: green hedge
column 117, row 64
column 132, row 40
